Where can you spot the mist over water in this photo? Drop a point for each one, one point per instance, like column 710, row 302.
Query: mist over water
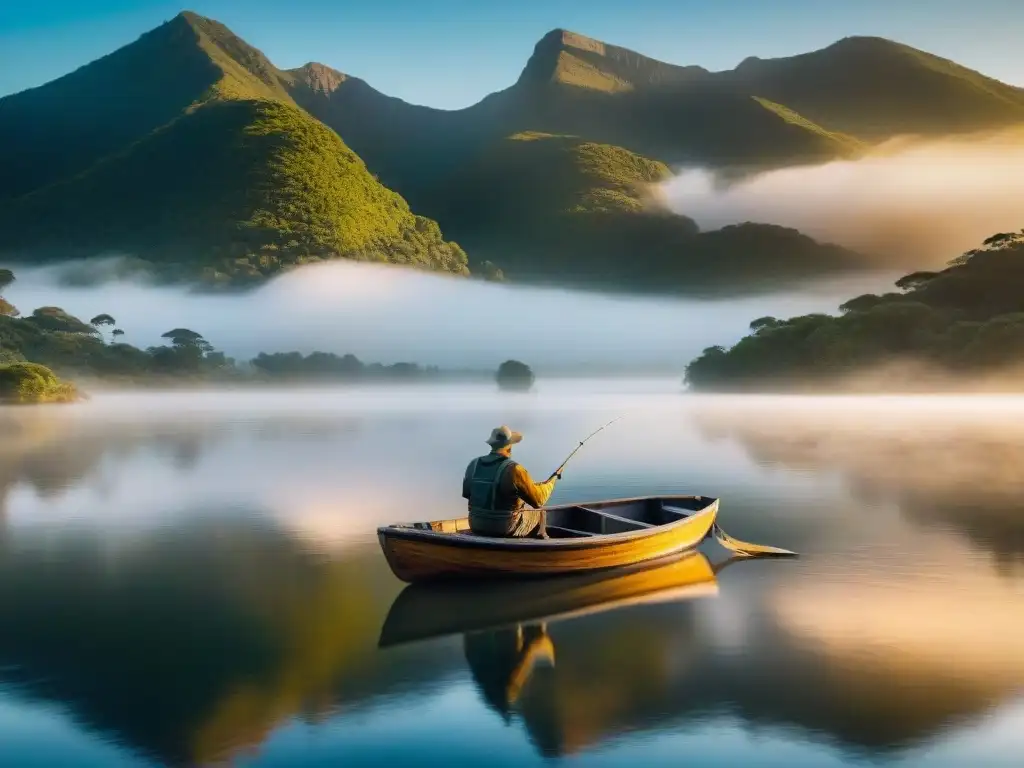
column 390, row 314
column 913, row 202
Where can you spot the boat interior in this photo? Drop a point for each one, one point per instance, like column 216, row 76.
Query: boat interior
column 601, row 518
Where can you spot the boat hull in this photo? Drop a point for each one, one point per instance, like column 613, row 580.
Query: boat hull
column 417, row 555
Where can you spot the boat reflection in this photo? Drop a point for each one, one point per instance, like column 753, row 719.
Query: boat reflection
column 424, row 611
column 509, row 632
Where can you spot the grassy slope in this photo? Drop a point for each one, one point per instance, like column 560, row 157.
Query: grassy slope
column 582, row 212
column 543, row 175
column 245, row 188
column 847, row 145
column 124, row 96
column 63, row 127
column 248, row 183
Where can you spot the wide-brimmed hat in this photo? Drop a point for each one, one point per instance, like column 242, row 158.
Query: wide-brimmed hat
column 503, row 436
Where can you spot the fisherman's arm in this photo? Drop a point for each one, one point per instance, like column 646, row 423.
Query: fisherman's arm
column 534, row 494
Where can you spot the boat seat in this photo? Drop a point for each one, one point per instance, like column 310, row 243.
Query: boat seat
column 609, row 515
column 677, row 510
column 571, row 531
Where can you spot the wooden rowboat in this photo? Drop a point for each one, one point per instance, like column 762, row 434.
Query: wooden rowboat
column 584, row 537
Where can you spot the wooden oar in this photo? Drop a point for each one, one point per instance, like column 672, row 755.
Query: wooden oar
column 745, row 548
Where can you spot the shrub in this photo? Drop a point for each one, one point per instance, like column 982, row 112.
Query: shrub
column 514, row 375
column 25, row 383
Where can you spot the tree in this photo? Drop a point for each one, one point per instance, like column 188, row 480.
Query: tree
column 6, row 278
column 764, row 322
column 861, row 303
column 101, row 320
column 183, row 338
column 117, row 332
column 514, row 375
column 915, row 279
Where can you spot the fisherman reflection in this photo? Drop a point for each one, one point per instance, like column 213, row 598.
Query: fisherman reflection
column 502, row 661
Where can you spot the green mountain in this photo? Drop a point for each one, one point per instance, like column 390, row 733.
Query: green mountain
column 577, row 86
column 507, row 199
column 244, row 189
column 64, row 127
column 573, row 84
column 189, row 149
column 573, row 211
column 817, row 106
column 191, row 154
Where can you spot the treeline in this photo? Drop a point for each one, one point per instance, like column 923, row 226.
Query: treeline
column 51, row 337
column 965, row 319
column 326, row 365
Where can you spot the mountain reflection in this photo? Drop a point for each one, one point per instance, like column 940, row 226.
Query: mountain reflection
column 51, row 453
column 192, row 646
column 943, row 469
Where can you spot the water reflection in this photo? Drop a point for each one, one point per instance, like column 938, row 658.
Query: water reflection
column 188, row 647
column 503, row 660
column 944, row 467
column 201, row 589
column 50, row 453
column 621, row 655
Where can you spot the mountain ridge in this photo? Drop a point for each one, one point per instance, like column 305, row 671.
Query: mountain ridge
column 569, row 58
column 542, row 65
column 311, row 163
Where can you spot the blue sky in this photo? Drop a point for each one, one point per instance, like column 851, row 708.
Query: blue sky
column 451, row 53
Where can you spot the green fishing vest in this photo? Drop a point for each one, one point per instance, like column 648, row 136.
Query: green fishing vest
column 486, row 499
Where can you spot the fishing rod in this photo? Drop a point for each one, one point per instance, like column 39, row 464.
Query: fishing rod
column 562, row 465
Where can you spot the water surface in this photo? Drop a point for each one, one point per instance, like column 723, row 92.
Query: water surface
column 194, row 579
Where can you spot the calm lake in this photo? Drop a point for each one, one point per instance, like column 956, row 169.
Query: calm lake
column 194, row 579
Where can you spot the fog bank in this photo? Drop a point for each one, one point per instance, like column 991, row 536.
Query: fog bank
column 391, row 314
column 914, row 202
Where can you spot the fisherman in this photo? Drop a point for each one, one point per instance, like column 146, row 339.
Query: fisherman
column 498, row 490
